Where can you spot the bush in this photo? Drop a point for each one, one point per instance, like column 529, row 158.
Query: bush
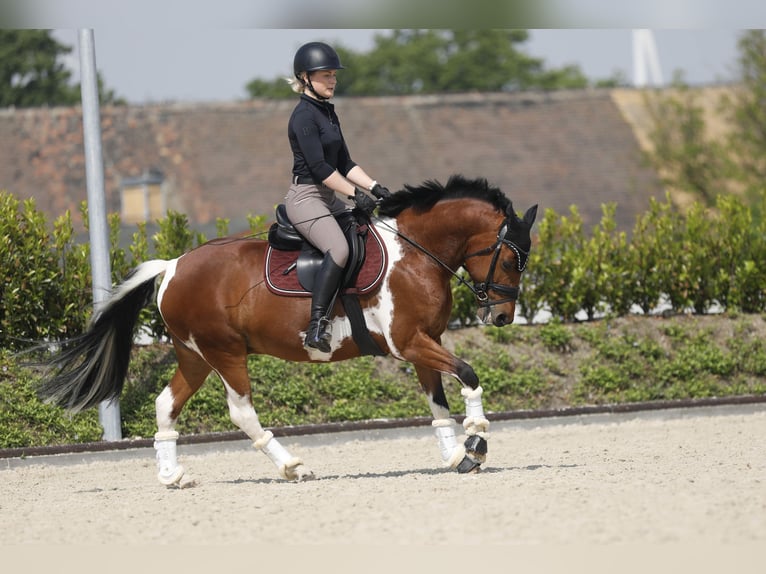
column 24, row 421
column 43, row 277
column 693, row 261
column 605, row 362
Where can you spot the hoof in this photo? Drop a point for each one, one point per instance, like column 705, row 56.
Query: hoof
column 179, row 479
column 468, row 466
column 297, row 472
column 305, row 476
column 476, row 448
column 186, row 482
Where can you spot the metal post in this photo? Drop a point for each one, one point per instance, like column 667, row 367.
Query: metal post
column 108, row 412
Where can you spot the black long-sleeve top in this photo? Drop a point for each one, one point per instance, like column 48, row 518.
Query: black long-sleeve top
column 316, row 140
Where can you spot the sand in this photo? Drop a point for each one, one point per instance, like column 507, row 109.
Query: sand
column 693, row 476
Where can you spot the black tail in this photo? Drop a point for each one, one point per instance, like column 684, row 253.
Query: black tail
column 92, row 367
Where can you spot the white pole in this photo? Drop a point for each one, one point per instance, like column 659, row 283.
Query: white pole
column 639, row 61
column 646, row 60
column 108, row 412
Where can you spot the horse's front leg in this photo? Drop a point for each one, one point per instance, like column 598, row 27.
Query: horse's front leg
column 476, row 424
column 468, row 456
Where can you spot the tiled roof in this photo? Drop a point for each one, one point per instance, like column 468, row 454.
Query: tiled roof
column 233, row 159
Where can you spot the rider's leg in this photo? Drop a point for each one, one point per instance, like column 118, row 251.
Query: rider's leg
column 311, row 211
column 326, row 284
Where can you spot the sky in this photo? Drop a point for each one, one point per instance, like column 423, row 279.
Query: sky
column 197, row 64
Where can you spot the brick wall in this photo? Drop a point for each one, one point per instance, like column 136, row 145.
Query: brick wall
column 228, row 160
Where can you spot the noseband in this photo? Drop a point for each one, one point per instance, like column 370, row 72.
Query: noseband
column 481, row 289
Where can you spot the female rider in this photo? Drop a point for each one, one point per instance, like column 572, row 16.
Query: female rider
column 322, row 167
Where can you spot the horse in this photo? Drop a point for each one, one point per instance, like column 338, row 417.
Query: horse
column 218, row 309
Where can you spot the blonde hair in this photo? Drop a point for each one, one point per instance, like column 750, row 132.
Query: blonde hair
column 297, row 85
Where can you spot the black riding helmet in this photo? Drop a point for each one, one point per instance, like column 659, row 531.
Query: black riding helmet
column 315, row 56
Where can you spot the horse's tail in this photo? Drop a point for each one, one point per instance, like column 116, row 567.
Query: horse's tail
column 91, row 368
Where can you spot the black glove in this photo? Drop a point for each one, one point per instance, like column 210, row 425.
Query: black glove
column 380, row 192
column 364, row 202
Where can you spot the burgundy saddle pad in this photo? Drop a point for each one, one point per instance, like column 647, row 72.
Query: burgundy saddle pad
column 282, row 277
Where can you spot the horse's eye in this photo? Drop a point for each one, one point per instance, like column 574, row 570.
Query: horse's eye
column 509, row 265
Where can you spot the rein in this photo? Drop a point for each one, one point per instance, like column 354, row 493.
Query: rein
column 481, row 289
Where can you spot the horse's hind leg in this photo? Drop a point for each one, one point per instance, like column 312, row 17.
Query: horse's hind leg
column 236, row 380
column 188, row 378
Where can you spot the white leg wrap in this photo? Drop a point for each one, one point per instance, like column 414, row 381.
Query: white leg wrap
column 169, row 471
column 451, row 452
column 282, row 459
column 475, row 422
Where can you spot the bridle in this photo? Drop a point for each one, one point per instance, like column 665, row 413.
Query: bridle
column 481, row 289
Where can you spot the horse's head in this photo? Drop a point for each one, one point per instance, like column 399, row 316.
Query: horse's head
column 501, row 264
column 476, row 217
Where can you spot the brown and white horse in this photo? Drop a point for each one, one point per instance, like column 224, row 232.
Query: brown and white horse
column 218, row 309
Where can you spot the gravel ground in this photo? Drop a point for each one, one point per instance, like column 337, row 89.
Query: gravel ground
column 665, row 478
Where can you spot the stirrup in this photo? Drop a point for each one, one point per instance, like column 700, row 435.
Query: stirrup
column 318, row 335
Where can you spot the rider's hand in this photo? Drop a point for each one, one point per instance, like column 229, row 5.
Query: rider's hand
column 380, row 192
column 364, row 202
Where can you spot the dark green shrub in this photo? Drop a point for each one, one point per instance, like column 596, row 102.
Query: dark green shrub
column 603, row 380
column 556, row 336
column 600, row 277
column 25, row 421
column 174, row 238
column 645, row 255
column 558, row 253
column 32, row 302
column 702, row 258
column 748, row 352
column 507, row 334
column 74, row 280
column 464, row 306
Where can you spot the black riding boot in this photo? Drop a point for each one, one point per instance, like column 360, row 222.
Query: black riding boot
column 326, row 283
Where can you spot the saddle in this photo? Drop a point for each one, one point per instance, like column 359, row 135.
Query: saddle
column 292, row 263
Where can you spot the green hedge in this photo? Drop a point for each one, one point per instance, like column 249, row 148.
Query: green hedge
column 689, row 262
column 46, row 287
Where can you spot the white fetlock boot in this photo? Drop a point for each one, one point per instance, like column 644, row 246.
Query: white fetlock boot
column 289, row 467
column 452, row 454
column 475, row 424
column 170, row 473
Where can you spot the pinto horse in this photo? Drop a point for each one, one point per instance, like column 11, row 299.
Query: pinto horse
column 217, row 309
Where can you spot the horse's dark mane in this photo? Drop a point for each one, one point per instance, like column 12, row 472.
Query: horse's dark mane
column 428, row 194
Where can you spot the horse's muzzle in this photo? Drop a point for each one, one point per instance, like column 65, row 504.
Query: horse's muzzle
column 501, row 320
column 487, row 317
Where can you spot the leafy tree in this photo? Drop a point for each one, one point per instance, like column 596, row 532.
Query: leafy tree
column 689, row 158
column 439, row 61
column 275, row 89
column 32, row 73
column 106, row 95
column 684, row 156
column 617, row 79
column 747, row 108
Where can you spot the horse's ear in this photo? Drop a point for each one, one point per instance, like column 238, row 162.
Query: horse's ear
column 509, row 212
column 529, row 216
